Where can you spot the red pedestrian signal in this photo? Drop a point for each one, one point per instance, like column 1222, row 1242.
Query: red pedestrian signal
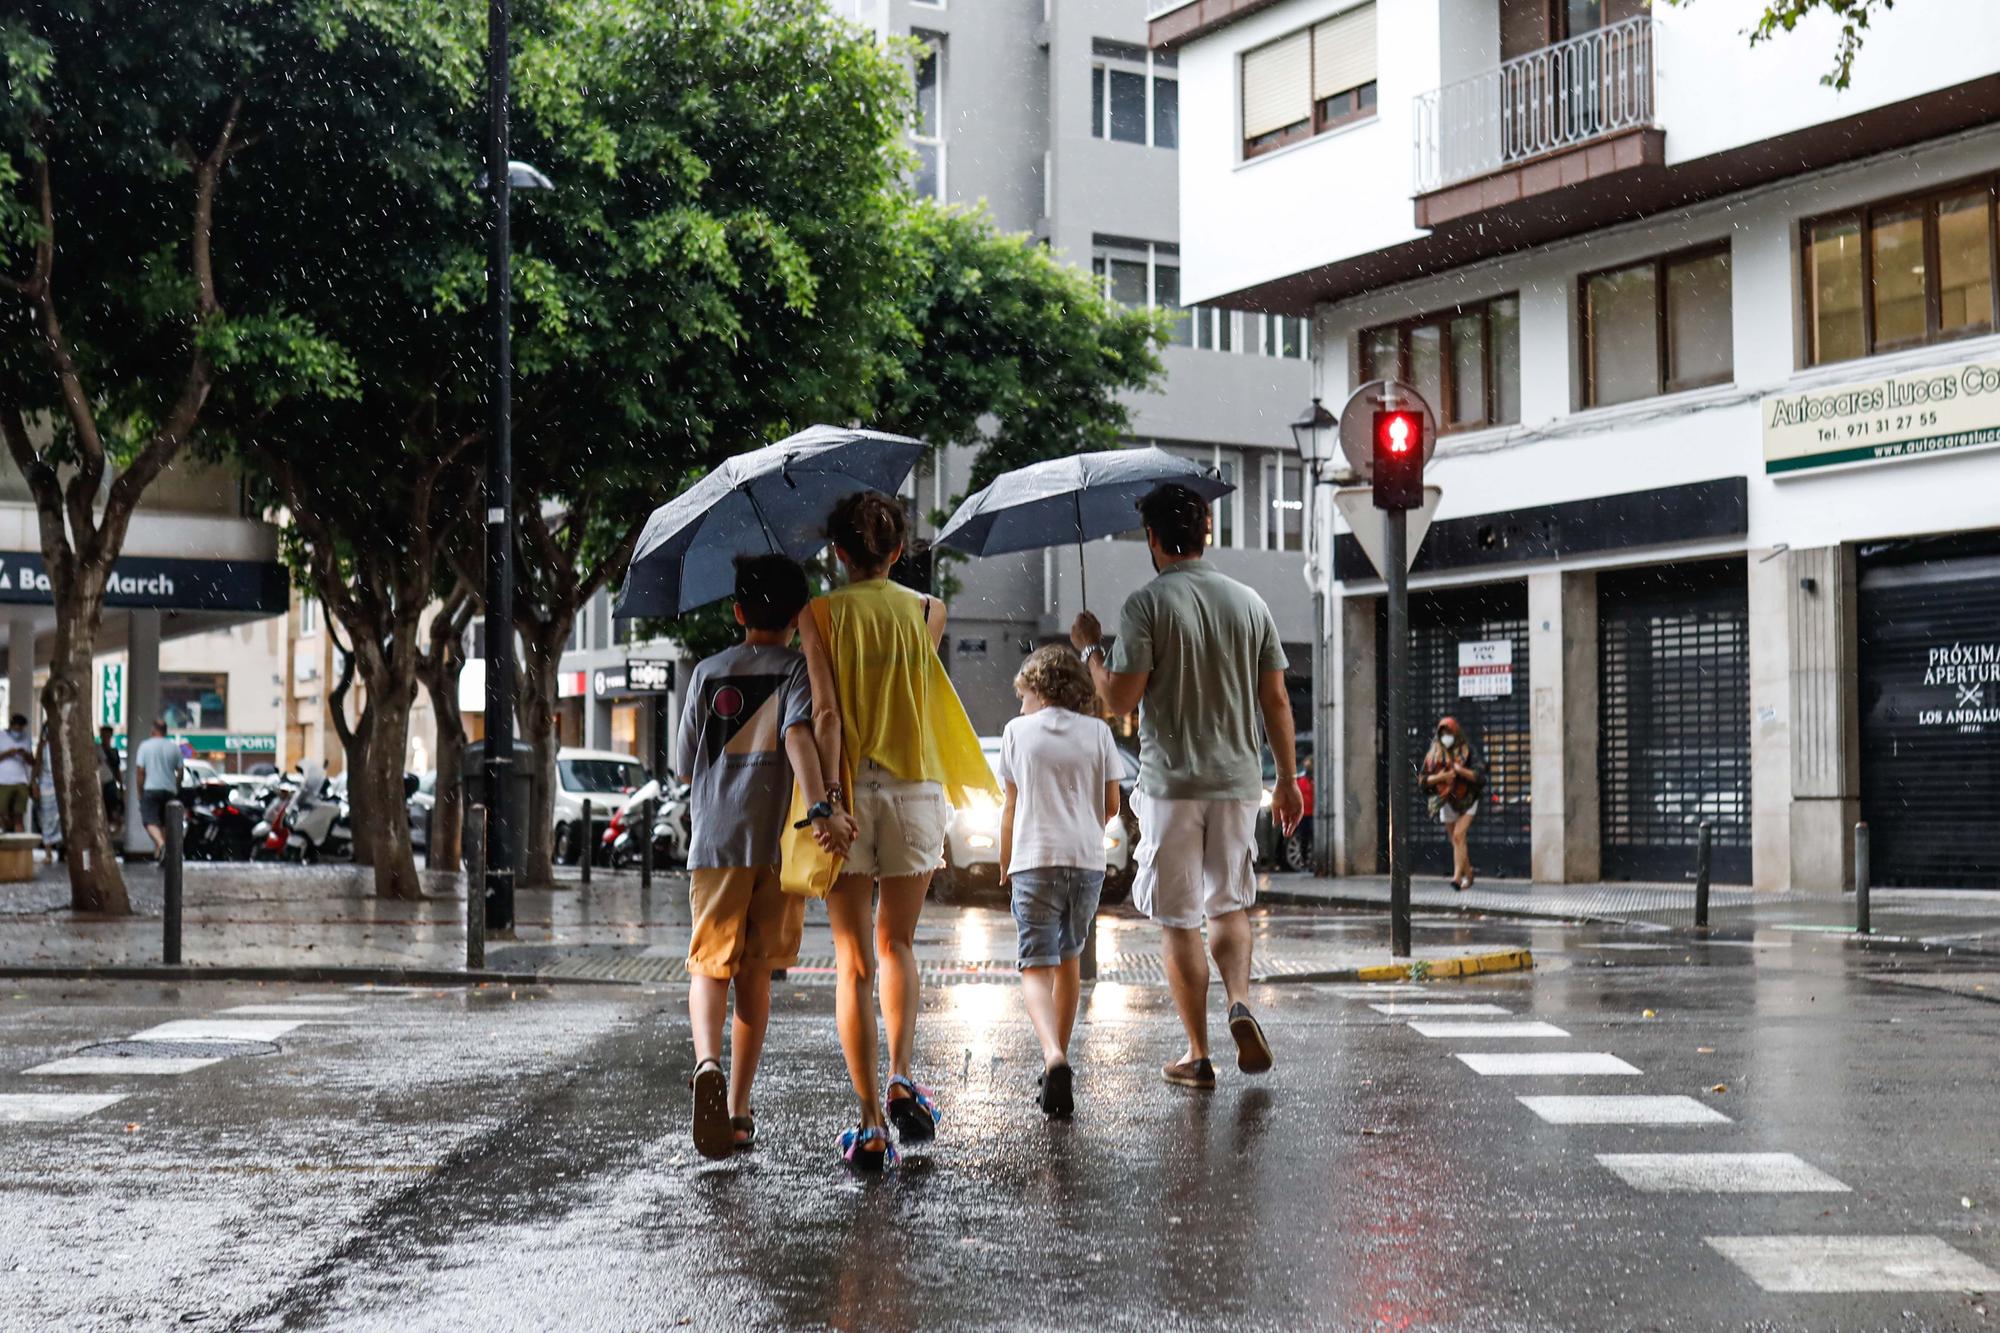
column 1399, row 460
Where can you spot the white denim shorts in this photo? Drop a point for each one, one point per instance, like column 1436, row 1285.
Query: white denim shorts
column 1196, row 859
column 901, row 825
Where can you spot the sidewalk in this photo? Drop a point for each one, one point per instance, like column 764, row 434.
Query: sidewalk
column 1957, row 920
column 244, row 916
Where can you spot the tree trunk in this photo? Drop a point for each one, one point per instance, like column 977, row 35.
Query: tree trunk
column 536, row 702
column 391, row 691
column 354, row 747
column 95, row 882
column 447, row 832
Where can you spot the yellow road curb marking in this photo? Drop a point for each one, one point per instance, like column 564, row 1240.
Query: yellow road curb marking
column 1470, row 965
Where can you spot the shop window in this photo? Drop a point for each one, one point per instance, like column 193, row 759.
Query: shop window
column 1466, row 361
column 1902, row 273
column 195, row 700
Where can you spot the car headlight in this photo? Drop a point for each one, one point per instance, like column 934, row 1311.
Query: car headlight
column 981, row 816
column 1264, row 798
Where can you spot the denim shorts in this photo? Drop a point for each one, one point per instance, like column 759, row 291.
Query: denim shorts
column 1053, row 909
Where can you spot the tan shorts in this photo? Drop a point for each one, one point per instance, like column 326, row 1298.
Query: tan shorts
column 900, row 823
column 1195, row 859
column 742, row 918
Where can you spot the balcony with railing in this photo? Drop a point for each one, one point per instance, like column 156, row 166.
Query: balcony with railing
column 1560, row 116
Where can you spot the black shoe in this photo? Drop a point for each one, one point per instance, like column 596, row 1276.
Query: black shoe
column 1058, row 1099
column 1253, row 1053
column 1191, row 1074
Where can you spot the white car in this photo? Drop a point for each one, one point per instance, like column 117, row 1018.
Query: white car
column 602, row 777
column 972, row 838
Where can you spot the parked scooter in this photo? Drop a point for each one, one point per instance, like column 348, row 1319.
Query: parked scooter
column 673, row 827
column 220, row 824
column 272, row 832
column 621, row 835
column 316, row 821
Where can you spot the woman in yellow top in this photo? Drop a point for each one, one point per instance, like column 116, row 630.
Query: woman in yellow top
column 886, row 717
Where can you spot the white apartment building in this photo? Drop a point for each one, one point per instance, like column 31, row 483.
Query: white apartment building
column 1713, row 351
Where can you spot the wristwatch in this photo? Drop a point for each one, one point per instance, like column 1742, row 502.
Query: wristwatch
column 1095, row 650
column 817, row 810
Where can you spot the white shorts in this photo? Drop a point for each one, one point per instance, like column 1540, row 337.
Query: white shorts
column 1195, row 859
column 901, row 825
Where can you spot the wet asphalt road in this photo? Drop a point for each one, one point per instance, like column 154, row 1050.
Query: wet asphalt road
column 519, row 1160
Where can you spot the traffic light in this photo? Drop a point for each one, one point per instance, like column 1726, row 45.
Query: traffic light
column 1399, row 459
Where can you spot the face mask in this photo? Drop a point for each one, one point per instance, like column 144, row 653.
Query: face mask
column 1448, row 740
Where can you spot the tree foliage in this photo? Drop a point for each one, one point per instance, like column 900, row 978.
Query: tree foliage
column 1782, row 16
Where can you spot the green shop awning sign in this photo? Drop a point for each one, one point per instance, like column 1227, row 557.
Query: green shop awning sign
column 1946, row 410
column 208, row 742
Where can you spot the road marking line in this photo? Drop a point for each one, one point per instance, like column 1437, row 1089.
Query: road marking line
column 1493, row 1064
column 217, row 1029
column 22, row 1107
column 120, row 1065
column 1854, row 1263
column 1720, row 1173
column 1420, row 1007
column 1374, row 989
column 308, row 1011
column 1476, row 1029
column 1620, row 1110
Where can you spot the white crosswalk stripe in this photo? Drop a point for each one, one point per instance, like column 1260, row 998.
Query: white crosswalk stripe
column 1720, row 1173
column 217, row 1029
column 120, row 1066
column 1425, row 1007
column 21, row 1107
column 306, row 1011
column 1450, row 1029
column 1855, row 1263
column 1540, row 1064
column 1624, row 1110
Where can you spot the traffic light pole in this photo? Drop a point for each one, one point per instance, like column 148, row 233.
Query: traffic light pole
column 500, row 830
column 1395, row 545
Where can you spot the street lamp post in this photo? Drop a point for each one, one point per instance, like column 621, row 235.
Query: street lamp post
column 1314, row 435
column 503, row 176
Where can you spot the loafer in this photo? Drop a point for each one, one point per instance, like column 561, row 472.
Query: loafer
column 1191, row 1074
column 1253, row 1053
column 1058, row 1097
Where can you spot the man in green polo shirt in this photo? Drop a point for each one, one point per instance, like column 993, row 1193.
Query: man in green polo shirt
column 1200, row 652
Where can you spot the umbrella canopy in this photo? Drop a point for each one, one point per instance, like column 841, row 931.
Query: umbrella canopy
column 1075, row 499
column 774, row 500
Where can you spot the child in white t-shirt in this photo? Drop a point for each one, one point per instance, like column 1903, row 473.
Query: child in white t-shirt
column 1060, row 768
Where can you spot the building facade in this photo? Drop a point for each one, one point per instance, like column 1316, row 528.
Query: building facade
column 1058, row 119
column 1712, row 348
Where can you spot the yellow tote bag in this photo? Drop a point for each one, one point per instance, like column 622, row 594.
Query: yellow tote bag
column 805, row 868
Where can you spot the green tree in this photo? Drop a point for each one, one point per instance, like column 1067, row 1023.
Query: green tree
column 135, row 139
column 1781, row 16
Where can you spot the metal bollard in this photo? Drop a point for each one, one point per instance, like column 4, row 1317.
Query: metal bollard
column 1703, row 852
column 1861, row 875
column 170, row 872
column 646, row 848
column 475, row 889
column 586, row 846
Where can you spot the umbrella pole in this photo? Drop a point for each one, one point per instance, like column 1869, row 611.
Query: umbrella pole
column 1083, row 576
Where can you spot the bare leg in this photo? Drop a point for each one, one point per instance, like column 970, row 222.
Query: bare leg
column 1068, row 993
column 1187, row 978
column 708, row 1005
column 850, row 911
column 746, row 1034
column 1461, row 854
column 1038, row 992
column 1229, row 939
column 895, row 941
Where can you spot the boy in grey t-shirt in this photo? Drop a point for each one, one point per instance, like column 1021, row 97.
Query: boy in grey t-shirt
column 746, row 731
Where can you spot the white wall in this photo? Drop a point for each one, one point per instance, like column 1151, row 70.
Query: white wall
column 1348, row 192
column 1558, row 453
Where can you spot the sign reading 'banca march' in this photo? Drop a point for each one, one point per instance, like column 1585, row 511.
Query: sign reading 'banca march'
column 150, row 582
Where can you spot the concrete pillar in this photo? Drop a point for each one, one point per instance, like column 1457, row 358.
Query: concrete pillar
column 1566, row 845
column 21, row 668
column 142, row 706
column 597, row 724
column 1806, row 796
column 1358, row 851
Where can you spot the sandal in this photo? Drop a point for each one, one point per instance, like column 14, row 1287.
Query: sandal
column 713, row 1136
column 914, row 1114
column 867, row 1148
column 747, row 1127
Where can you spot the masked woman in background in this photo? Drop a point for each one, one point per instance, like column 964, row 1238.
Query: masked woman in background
column 1452, row 780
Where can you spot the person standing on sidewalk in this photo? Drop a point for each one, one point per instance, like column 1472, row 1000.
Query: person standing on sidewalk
column 1200, row 652
column 17, row 757
column 1452, row 781
column 157, row 770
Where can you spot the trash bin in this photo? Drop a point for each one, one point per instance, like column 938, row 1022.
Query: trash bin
column 517, row 793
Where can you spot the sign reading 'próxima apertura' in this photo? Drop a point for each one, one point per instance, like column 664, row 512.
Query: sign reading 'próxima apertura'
column 1944, row 410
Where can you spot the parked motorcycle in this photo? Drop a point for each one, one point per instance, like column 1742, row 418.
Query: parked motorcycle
column 621, row 838
column 220, row 823
column 316, row 820
column 271, row 833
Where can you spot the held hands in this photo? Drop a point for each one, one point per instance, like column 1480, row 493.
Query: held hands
column 1085, row 632
column 1288, row 805
column 835, row 833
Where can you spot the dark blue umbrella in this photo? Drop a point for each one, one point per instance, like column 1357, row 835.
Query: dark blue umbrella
column 771, row 500
column 1075, row 499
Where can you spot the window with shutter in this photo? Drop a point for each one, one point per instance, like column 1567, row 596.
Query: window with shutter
column 1277, row 93
column 1344, row 67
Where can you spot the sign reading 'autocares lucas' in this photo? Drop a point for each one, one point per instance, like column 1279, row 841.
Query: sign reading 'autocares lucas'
column 1944, row 410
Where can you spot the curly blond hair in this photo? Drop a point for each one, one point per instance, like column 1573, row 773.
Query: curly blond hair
column 1058, row 677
